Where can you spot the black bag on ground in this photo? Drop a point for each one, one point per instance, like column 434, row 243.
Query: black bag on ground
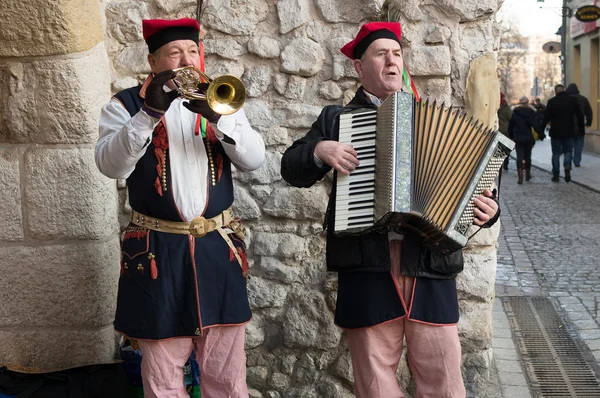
column 95, row 381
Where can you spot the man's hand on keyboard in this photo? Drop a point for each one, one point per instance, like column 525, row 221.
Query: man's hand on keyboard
column 341, row 157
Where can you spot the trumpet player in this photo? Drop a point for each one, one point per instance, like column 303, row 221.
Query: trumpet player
column 183, row 270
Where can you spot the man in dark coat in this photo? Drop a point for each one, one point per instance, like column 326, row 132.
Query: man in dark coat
column 579, row 139
column 560, row 112
column 519, row 128
column 390, row 286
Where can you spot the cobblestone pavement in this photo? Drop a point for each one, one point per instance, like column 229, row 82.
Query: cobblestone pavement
column 549, row 246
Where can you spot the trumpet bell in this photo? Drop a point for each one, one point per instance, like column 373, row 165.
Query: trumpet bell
column 225, row 94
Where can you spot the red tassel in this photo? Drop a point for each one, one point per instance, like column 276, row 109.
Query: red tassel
column 219, row 166
column 153, row 269
column 158, row 187
column 231, row 255
column 242, row 254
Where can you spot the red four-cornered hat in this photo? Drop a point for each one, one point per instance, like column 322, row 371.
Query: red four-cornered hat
column 158, row 32
column 370, row 32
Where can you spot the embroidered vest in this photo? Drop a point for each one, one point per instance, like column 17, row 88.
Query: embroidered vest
column 149, row 186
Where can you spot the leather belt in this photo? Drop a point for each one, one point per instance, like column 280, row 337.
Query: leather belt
column 198, row 227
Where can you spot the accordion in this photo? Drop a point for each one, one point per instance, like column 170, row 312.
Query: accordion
column 421, row 166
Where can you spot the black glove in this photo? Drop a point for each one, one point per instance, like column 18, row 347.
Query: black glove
column 157, row 100
column 201, row 106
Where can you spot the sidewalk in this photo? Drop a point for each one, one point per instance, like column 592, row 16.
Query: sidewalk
column 522, row 267
column 587, row 175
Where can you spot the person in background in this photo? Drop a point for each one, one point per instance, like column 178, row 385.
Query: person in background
column 504, row 115
column 560, row 112
column 579, row 138
column 183, row 269
column 519, row 128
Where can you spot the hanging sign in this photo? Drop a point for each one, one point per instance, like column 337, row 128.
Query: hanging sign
column 587, row 13
column 551, row 47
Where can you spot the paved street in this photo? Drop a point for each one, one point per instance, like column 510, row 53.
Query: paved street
column 549, row 246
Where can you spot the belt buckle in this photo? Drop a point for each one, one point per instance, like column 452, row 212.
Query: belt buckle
column 200, row 226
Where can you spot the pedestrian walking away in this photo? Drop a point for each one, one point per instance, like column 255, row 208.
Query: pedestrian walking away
column 183, row 269
column 520, row 127
column 561, row 110
column 390, row 287
column 579, row 138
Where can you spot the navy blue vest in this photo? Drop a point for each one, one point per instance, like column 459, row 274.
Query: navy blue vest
column 174, row 285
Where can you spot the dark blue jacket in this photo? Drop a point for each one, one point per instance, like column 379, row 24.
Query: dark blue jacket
column 523, row 119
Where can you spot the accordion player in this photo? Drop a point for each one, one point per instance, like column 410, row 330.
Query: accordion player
column 421, row 165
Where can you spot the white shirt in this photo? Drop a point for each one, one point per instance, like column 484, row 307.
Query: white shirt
column 124, row 140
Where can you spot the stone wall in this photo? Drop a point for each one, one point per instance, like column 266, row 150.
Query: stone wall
column 287, row 54
column 59, row 241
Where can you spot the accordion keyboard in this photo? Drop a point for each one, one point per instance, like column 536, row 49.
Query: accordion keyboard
column 355, row 195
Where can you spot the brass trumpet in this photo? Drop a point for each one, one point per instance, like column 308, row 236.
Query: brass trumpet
column 224, row 95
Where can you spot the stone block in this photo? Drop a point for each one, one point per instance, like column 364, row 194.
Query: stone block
column 217, row 67
column 133, row 58
column 295, row 88
column 267, row 173
column 255, row 333
column 258, row 113
column 298, row 204
column 69, row 93
column 475, row 326
column 300, row 115
column 330, row 90
column 257, row 80
column 66, row 197
column 263, row 293
column 237, row 18
column 477, row 279
column 307, row 322
column 292, row 13
column 469, row 10
column 264, row 47
column 348, row 10
column 124, row 20
column 302, row 57
column 52, row 27
column 429, row 61
column 438, row 35
column 59, row 285
column 226, row 48
column 172, row 6
column 342, row 65
column 46, row 350
column 278, row 271
column 278, row 244
column 257, row 376
column 11, row 220
column 244, row 205
column 438, row 89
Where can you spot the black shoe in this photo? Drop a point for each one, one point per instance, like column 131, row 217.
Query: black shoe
column 567, row 175
column 505, row 167
column 577, row 165
column 555, row 178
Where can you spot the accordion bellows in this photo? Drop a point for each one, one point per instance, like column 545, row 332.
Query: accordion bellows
column 421, row 165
